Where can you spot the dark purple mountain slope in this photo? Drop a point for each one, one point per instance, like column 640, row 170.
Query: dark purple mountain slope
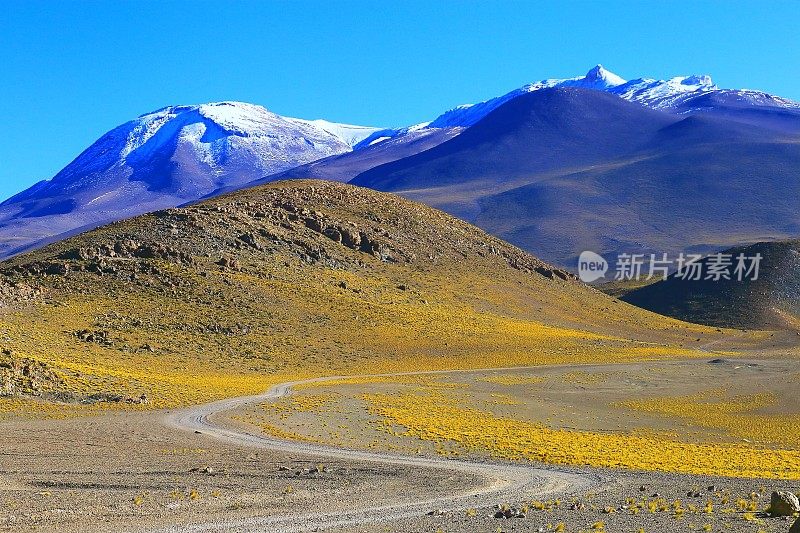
column 564, row 170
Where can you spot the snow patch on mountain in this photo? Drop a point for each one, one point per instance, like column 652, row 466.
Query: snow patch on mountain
column 662, row 94
column 348, row 133
column 181, row 153
column 466, row 115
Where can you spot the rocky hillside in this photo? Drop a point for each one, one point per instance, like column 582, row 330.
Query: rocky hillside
column 315, row 223
column 291, row 279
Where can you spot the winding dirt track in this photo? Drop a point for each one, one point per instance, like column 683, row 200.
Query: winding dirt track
column 503, row 482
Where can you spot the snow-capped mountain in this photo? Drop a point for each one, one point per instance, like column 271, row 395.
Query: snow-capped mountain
column 183, row 150
column 680, row 95
column 165, row 158
column 348, row 133
column 180, row 154
column 663, row 94
column 561, row 170
column 466, row 115
column 667, row 95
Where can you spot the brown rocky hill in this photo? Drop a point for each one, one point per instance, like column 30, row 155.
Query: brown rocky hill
column 293, row 279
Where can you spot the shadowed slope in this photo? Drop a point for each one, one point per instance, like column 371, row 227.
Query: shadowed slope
column 770, row 301
column 531, row 134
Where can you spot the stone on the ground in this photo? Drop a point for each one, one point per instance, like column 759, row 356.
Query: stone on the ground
column 783, row 503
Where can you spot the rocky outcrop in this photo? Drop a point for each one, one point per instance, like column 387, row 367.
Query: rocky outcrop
column 126, row 249
column 25, row 376
column 15, row 291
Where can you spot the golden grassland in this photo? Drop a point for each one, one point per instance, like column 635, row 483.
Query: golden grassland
column 301, row 323
column 317, row 328
column 443, row 419
column 719, row 504
column 743, row 416
column 752, row 435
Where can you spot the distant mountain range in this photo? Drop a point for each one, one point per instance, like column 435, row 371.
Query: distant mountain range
column 562, row 170
column 593, row 161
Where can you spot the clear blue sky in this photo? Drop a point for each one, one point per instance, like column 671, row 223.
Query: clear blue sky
column 73, row 70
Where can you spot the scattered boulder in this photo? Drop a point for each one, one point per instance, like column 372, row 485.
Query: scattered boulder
column 13, row 292
column 78, row 254
column 57, row 269
column 350, row 238
column 250, row 240
column 6, row 385
column 126, row 246
column 98, row 336
column 314, row 224
column 546, row 272
column 504, row 511
column 110, row 397
column 371, row 246
column 227, row 262
column 783, row 503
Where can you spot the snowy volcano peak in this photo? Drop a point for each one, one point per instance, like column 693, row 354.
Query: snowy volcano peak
column 208, row 142
column 678, row 94
column 239, row 117
column 249, row 120
column 698, row 81
column 599, row 76
column 165, row 158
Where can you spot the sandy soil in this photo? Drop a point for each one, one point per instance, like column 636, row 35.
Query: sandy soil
column 129, row 472
column 134, row 472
